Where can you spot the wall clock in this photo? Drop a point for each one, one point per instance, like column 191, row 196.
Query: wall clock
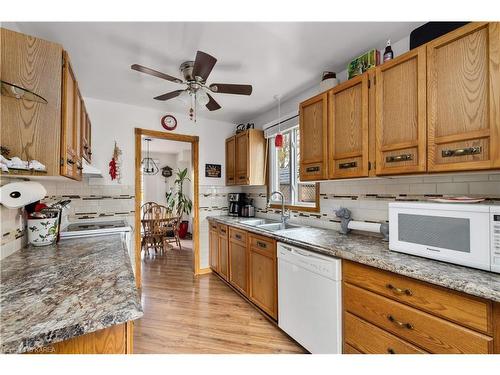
column 168, row 122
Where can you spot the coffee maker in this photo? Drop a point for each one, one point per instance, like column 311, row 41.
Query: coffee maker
column 236, row 202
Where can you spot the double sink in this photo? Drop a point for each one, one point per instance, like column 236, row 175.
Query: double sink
column 269, row 225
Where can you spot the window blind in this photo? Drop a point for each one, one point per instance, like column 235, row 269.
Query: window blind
column 287, row 123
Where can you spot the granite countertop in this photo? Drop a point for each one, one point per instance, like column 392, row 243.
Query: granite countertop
column 53, row 293
column 372, row 251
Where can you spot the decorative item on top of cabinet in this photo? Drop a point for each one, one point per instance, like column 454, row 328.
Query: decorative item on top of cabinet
column 246, row 158
column 313, row 119
column 70, row 152
column 348, row 129
column 30, row 129
column 401, row 114
column 463, row 97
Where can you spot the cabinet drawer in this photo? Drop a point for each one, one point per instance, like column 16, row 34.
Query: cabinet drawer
column 367, row 338
column 429, row 332
column 222, row 229
column 348, row 349
column 213, row 226
column 238, row 235
column 263, row 244
column 241, row 179
column 311, row 172
column 467, row 311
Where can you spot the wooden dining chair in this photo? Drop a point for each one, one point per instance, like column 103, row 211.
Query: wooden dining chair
column 155, row 226
column 173, row 232
column 145, row 226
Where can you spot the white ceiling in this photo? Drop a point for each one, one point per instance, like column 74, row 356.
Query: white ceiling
column 276, row 58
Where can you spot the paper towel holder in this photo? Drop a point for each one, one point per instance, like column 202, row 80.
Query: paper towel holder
column 13, row 197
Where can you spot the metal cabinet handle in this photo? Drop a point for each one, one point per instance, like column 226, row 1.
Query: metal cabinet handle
column 70, row 161
column 242, row 177
column 398, row 158
column 79, row 168
column 398, row 323
column 238, row 236
column 312, row 169
column 90, row 153
column 261, row 244
column 461, row 151
column 391, row 351
column 397, row 290
column 351, row 164
column 86, row 147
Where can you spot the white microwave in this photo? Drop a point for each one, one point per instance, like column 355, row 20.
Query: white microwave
column 465, row 234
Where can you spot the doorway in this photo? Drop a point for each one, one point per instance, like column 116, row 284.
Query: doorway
column 155, row 191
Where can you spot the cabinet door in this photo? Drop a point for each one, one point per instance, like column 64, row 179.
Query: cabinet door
column 463, row 88
column 262, row 275
column 242, row 158
column 78, row 136
column 238, row 266
column 230, row 161
column 401, row 114
column 223, row 254
column 313, row 128
column 89, row 138
column 214, row 250
column 85, row 132
column 348, row 129
column 68, row 133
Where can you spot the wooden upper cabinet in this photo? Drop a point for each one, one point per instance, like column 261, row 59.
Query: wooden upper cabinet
column 31, row 130
column 69, row 126
column 246, row 158
column 348, row 129
column 401, row 114
column 242, row 160
column 463, row 98
column 231, row 160
column 313, row 117
column 85, row 135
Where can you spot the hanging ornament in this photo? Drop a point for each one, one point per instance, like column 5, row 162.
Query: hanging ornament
column 278, row 139
column 114, row 164
column 149, row 166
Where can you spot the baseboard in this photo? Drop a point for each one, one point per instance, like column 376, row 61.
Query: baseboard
column 204, row 271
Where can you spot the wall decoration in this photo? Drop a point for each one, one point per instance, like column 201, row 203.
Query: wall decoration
column 166, row 171
column 213, row 170
column 168, row 122
column 114, row 164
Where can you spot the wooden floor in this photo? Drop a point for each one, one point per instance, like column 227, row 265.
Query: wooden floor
column 187, row 314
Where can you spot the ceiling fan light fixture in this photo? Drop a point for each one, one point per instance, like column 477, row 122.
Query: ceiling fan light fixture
column 202, row 97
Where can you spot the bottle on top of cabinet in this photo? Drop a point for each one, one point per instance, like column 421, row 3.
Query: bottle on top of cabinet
column 388, row 53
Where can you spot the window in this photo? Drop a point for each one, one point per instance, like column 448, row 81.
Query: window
column 284, row 172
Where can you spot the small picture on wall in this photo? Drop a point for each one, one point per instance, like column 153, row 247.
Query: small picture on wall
column 213, row 170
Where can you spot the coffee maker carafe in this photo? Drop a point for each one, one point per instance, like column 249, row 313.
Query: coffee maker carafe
column 236, row 202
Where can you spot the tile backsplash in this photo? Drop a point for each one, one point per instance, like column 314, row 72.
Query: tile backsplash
column 368, row 199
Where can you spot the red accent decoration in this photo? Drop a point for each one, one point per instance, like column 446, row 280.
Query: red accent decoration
column 112, row 169
column 164, row 122
column 278, row 140
column 183, row 229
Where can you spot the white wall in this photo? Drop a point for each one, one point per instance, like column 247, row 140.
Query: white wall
column 116, row 121
column 290, row 105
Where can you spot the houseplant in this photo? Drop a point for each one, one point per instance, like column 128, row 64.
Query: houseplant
column 179, row 202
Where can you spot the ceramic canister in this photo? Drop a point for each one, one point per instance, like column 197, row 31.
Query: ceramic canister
column 42, row 232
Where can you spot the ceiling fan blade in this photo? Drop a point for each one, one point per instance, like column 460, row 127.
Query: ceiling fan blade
column 226, row 88
column 212, row 105
column 203, row 65
column 169, row 95
column 155, row 73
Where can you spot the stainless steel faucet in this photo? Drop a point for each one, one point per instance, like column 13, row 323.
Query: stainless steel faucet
column 284, row 216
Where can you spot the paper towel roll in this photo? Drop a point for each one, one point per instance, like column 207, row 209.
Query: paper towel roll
column 19, row 194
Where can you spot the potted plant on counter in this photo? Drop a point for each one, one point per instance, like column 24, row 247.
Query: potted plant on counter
column 179, row 202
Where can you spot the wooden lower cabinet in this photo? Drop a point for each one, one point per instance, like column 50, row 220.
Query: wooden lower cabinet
column 407, row 315
column 113, row 340
column 223, row 251
column 263, row 274
column 213, row 250
column 238, row 260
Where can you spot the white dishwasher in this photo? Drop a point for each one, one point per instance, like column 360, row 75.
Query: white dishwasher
column 309, row 299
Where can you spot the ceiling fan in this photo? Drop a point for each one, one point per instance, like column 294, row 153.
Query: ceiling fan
column 195, row 75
